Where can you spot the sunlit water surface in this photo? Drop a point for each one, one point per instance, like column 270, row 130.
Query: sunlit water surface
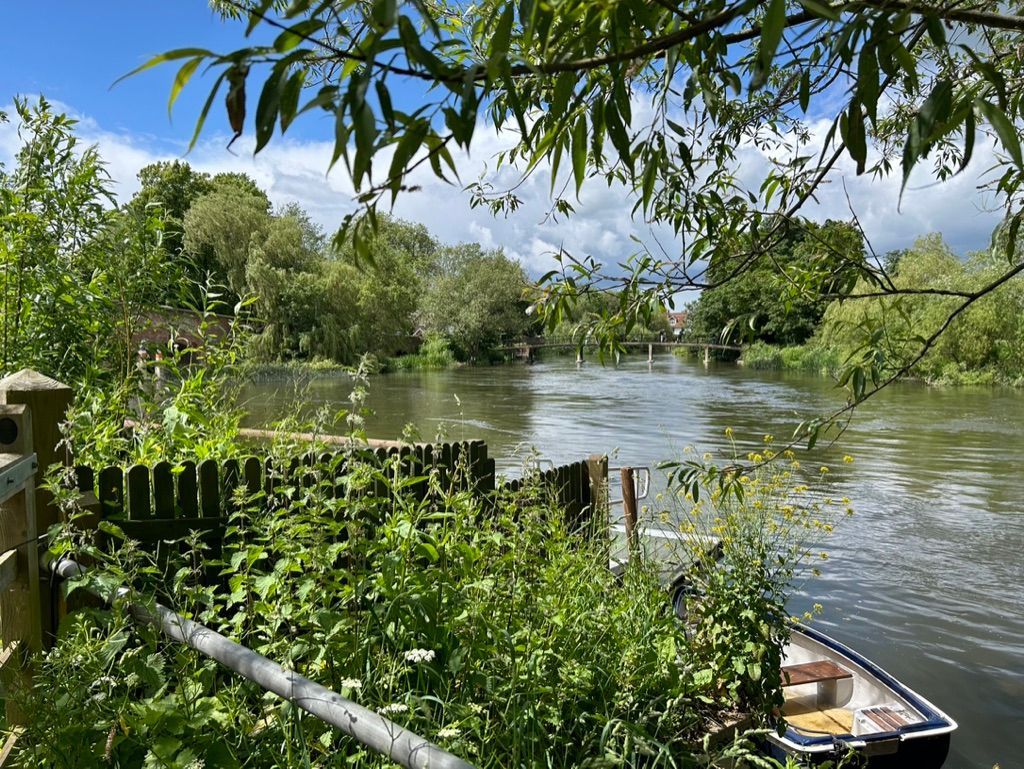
column 926, row 579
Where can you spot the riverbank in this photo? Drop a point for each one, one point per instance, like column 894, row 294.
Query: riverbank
column 816, row 359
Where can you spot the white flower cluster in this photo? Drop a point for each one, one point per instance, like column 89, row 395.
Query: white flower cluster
column 395, row 707
column 351, row 683
column 419, row 655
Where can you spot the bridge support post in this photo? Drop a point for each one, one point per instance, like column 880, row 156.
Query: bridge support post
column 707, row 356
column 579, row 356
column 650, row 354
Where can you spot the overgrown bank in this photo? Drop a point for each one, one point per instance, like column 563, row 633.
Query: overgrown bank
column 879, row 336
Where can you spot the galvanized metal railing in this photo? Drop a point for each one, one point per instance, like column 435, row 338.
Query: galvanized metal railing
column 367, row 727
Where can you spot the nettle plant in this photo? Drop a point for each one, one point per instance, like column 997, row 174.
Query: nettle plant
column 482, row 624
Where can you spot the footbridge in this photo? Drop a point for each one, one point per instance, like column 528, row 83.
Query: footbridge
column 527, row 349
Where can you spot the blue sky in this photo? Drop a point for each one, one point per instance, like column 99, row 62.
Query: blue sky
column 72, row 51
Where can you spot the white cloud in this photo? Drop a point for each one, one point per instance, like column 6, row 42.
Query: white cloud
column 295, row 171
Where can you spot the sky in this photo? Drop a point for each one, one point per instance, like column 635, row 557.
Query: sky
column 73, row 51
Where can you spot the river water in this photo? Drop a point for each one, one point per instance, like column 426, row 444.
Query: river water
column 927, row 579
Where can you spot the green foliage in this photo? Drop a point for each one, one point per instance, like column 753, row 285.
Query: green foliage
column 221, row 228
column 884, row 334
column 433, row 354
column 811, row 358
column 450, row 615
column 780, row 298
column 595, row 310
column 182, row 404
column 750, row 542
column 76, row 275
column 477, row 300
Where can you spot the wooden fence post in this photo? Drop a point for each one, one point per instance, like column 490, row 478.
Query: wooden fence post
column 48, row 401
column 597, row 473
column 629, row 509
column 20, row 610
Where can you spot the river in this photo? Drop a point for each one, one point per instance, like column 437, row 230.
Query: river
column 927, row 579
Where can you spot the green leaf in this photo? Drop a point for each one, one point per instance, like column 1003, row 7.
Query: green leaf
column 579, row 151
column 288, row 108
column 266, row 109
column 771, row 35
column 385, row 13
column 201, row 120
column 854, row 136
column 650, row 177
column 297, row 34
column 181, row 79
column 936, row 31
column 178, row 53
column 1003, row 128
column 935, row 111
column 499, row 43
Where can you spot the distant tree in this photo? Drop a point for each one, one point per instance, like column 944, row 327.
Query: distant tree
column 239, row 182
column 221, row 229
column 171, row 187
column 389, row 283
column 773, row 300
column 477, row 299
column 283, row 271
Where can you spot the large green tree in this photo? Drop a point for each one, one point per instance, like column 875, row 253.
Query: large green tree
column 770, row 301
column 664, row 96
column 477, row 299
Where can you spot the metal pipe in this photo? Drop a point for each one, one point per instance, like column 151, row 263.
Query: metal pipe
column 361, row 724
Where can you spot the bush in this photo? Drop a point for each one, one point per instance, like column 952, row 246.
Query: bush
column 761, row 357
column 434, row 354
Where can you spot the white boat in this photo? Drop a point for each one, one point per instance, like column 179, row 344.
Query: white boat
column 836, row 701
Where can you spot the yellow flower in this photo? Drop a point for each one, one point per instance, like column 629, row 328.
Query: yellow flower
column 728, row 432
column 848, row 459
column 824, row 469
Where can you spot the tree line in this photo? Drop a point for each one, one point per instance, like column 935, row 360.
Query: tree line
column 854, row 327
column 83, row 275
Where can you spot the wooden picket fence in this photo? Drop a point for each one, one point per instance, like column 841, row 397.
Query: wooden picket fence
column 167, row 502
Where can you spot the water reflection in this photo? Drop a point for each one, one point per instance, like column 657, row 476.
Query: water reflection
column 926, row 579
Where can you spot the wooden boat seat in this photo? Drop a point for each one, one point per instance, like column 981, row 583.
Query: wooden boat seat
column 887, row 719
column 813, row 673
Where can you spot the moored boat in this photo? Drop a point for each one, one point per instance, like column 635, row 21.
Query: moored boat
column 837, row 701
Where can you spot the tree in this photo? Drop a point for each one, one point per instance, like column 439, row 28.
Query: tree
column 389, row 283
column 663, row 97
column 171, row 188
column 477, row 300
column 221, row 228
column 771, row 301
column 53, row 205
column 283, row 272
